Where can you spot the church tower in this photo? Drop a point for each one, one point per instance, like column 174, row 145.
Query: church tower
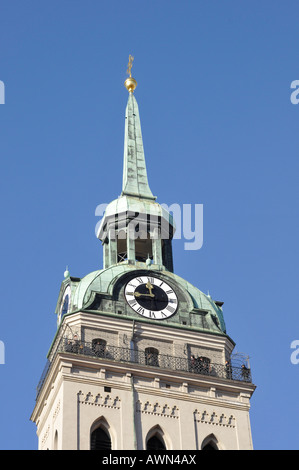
column 141, row 359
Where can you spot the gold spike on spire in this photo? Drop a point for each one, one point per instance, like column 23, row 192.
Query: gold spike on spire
column 130, row 82
column 129, row 69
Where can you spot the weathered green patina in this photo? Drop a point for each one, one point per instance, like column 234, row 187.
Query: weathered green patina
column 102, row 291
column 135, row 182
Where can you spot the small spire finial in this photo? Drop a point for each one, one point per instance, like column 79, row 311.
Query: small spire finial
column 129, row 69
column 130, row 83
column 66, row 272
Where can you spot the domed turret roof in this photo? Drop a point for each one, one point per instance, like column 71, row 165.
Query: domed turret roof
column 104, row 281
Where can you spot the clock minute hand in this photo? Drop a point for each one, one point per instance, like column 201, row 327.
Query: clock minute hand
column 138, row 294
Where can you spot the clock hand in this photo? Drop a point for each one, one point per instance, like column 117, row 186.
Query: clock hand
column 150, row 287
column 138, row 294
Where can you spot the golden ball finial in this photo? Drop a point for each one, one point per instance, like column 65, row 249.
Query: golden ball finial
column 130, row 82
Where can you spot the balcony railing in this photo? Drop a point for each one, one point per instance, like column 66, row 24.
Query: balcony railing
column 201, row 366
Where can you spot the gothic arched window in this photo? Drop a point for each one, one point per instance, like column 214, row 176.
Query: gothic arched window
column 155, row 439
column 65, row 305
column 210, row 443
column 100, row 439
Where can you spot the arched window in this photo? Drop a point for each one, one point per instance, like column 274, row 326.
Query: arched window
column 210, row 443
column 155, row 439
column 152, row 357
column 100, row 439
column 65, row 305
column 99, row 347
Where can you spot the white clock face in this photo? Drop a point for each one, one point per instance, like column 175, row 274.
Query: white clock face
column 151, row 297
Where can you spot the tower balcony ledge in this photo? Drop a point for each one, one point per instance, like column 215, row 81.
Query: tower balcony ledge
column 200, row 367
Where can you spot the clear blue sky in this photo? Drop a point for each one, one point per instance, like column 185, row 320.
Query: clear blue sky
column 219, row 129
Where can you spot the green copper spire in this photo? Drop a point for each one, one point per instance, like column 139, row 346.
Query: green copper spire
column 135, row 182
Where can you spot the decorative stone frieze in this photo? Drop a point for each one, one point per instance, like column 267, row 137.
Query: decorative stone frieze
column 157, row 409
column 214, row 419
column 106, row 401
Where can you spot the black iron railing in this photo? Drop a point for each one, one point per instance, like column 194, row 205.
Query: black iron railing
column 202, row 366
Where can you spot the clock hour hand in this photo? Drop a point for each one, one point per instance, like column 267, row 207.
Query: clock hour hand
column 150, row 287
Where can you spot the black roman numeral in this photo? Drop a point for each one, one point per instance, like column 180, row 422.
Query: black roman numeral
column 170, row 309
